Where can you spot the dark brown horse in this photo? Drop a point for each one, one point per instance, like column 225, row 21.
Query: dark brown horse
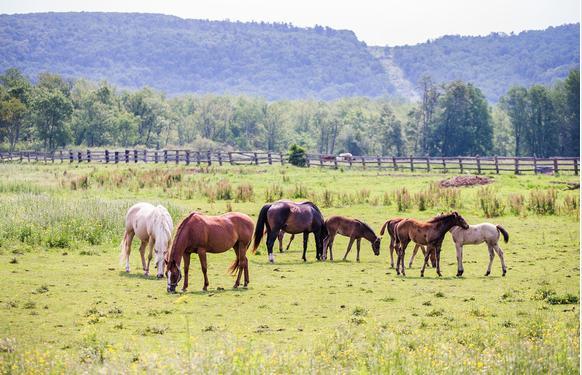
column 352, row 228
column 429, row 233
column 390, row 225
column 203, row 234
column 294, row 218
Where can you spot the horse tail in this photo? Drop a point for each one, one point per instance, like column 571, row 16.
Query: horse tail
column 233, row 268
column 123, row 255
column 384, row 227
column 503, row 232
column 261, row 223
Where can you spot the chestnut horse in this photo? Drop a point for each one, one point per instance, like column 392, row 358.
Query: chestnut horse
column 293, row 218
column 429, row 233
column 352, row 228
column 390, row 225
column 203, row 234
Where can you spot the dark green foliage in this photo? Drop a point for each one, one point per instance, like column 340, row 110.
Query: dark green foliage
column 177, row 56
column 494, row 62
column 297, row 156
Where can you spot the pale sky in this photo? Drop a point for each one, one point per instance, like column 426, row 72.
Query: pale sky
column 379, row 22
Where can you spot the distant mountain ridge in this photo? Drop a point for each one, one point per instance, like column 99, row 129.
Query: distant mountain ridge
column 276, row 61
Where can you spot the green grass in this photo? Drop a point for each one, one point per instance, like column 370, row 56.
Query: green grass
column 66, row 305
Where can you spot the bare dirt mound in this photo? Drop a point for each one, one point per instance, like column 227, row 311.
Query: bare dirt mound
column 459, row 181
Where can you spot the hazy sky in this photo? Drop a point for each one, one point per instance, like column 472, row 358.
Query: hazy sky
column 379, row 22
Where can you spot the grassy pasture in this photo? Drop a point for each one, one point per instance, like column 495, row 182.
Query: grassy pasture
column 66, row 305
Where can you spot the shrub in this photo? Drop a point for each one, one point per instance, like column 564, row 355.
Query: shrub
column 386, row 200
column 543, row 202
column 300, row 191
column 244, row 193
column 571, row 205
column 327, row 199
column 223, row 190
column 403, row 200
column 516, row 204
column 490, row 203
column 275, row 192
column 297, row 156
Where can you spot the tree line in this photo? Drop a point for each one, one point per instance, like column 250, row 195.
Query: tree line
column 450, row 119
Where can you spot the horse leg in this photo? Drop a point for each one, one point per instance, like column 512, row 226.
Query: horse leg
column 358, row 249
column 433, row 259
column 349, row 247
column 271, row 237
column 142, row 248
column 438, row 259
column 150, row 254
column 240, row 263
column 204, row 266
column 290, row 240
column 245, row 264
column 491, row 256
column 501, row 257
column 280, row 238
column 416, row 247
column 330, row 240
column 392, row 245
column 401, row 257
column 460, row 268
column 129, row 239
column 305, row 238
column 186, row 258
column 429, row 250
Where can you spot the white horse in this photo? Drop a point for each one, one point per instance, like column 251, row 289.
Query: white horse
column 476, row 234
column 153, row 226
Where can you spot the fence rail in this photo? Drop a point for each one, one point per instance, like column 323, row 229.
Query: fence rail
column 495, row 164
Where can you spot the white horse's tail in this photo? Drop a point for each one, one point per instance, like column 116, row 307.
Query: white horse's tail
column 123, row 255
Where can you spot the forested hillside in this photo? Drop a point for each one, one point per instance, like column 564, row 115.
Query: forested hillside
column 195, row 56
column 495, row 62
column 274, row 61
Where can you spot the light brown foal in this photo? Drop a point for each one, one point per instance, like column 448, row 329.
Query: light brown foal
column 352, row 228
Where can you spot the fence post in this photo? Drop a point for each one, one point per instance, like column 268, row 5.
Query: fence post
column 219, row 158
column 461, row 165
column 411, row 164
column 516, row 162
column 535, row 165
column 116, row 157
column 350, row 160
column 270, row 158
column 320, row 160
column 335, row 162
column 256, row 159
column 230, row 158
column 145, row 156
column 198, row 157
column 135, row 156
column 281, row 156
column 165, row 156
column 209, row 157
column 187, row 157
column 555, row 165
column 377, row 159
column 576, row 166
column 363, row 162
column 106, row 156
column 177, row 156
column 496, row 165
column 79, row 156
column 52, row 157
column 126, row 156
column 478, row 164
column 444, row 165
column 88, row 156
column 428, row 164
column 156, row 157
column 71, row 156
column 394, row 163
column 308, row 161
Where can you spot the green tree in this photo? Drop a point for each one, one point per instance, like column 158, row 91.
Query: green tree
column 515, row 104
column 51, row 112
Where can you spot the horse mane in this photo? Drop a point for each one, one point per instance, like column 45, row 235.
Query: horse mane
column 366, row 226
column 178, row 232
column 440, row 217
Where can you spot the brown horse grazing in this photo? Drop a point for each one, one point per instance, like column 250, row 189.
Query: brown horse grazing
column 294, row 218
column 352, row 228
column 280, row 238
column 429, row 233
column 390, row 226
column 203, row 234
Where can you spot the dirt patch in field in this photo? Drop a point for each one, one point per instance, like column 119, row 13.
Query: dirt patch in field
column 459, row 181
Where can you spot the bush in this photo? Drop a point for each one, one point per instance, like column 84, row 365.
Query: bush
column 516, row 204
column 244, row 193
column 297, row 156
column 223, row 190
column 490, row 203
column 403, row 200
column 543, row 202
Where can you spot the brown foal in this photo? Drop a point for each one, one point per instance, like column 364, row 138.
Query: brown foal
column 389, row 226
column 352, row 228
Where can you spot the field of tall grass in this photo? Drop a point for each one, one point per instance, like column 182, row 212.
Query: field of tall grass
column 67, row 306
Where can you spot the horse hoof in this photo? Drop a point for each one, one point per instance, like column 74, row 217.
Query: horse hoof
column 503, row 274
column 235, row 286
column 422, row 275
column 487, row 273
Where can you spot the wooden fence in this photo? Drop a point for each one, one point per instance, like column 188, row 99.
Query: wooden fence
column 517, row 165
